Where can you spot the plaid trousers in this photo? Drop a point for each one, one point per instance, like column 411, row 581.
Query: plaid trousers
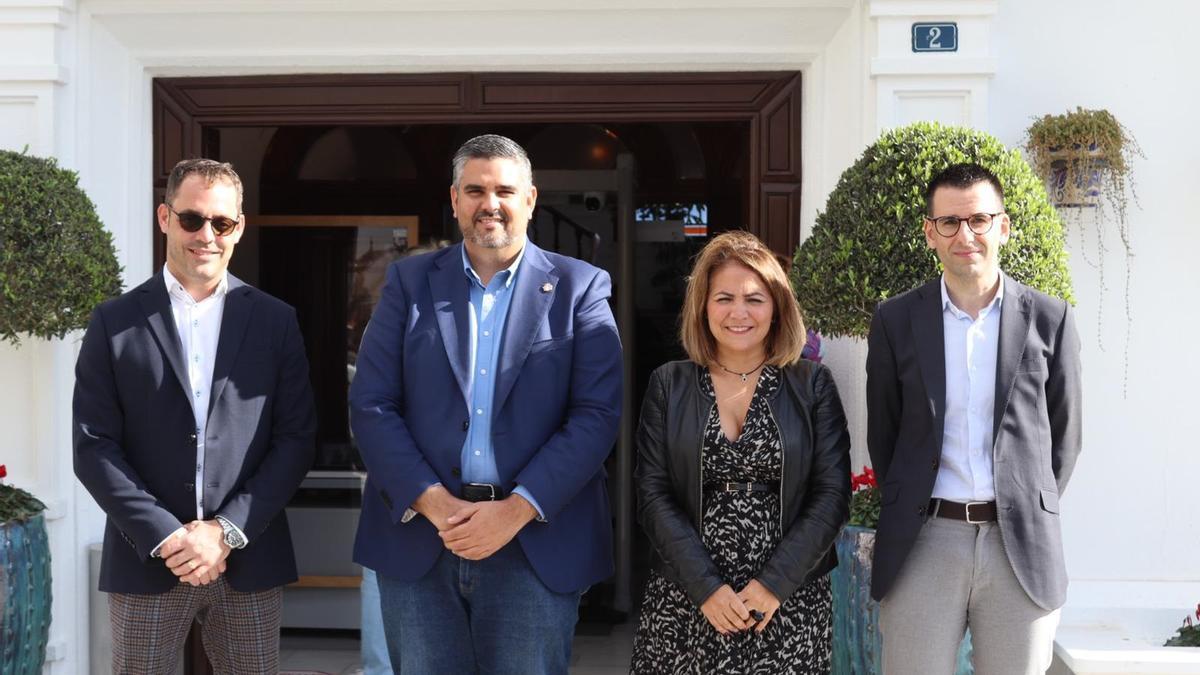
column 240, row 630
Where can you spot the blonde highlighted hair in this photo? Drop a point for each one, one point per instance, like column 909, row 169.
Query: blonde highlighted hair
column 786, row 337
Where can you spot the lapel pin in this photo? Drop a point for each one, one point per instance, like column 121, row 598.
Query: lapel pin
column 547, row 287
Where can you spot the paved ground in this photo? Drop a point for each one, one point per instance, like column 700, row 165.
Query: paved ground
column 598, row 650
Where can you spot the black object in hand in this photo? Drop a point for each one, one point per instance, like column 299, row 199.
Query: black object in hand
column 757, row 615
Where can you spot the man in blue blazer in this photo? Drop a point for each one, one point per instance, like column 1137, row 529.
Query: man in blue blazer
column 486, row 399
column 193, row 427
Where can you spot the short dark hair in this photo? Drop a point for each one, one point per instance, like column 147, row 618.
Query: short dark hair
column 491, row 146
column 962, row 176
column 209, row 170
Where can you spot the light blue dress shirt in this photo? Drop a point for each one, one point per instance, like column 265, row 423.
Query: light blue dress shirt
column 965, row 472
column 487, row 312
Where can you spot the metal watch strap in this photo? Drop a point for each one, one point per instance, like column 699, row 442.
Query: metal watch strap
column 232, row 538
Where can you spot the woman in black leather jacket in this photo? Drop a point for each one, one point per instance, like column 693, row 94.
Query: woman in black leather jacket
column 743, row 480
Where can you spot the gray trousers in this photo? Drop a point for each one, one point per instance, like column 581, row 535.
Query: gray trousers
column 958, row 575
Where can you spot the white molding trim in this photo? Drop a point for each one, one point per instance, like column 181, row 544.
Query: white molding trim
column 928, row 64
column 142, row 7
column 43, row 73
column 933, row 8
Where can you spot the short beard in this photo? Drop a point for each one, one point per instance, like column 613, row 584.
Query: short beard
column 500, row 238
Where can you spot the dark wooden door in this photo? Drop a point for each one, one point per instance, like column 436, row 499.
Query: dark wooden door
column 184, row 109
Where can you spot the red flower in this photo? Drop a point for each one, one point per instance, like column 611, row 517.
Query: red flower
column 866, row 479
column 1197, row 606
column 4, row 474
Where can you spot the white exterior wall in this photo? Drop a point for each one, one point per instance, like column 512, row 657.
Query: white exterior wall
column 1130, row 514
column 75, row 83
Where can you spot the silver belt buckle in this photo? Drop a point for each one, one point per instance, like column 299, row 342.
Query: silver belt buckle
column 491, row 488
column 969, row 518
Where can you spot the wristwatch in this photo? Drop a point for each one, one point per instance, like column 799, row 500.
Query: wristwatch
column 233, row 538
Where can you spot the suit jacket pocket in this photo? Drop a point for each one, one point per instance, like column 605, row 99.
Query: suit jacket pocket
column 1050, row 500
column 1035, row 364
column 889, row 493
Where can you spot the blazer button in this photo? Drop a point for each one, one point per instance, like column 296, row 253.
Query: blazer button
column 920, row 510
column 191, row 438
column 934, row 463
column 456, row 472
column 466, row 424
column 189, row 486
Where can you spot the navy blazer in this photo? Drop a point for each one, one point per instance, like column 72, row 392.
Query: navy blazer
column 557, row 406
column 1036, row 428
column 135, row 440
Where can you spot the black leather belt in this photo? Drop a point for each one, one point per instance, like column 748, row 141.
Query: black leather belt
column 773, row 486
column 971, row 512
column 482, row 492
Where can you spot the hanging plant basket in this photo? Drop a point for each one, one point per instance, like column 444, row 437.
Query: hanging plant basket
column 1085, row 158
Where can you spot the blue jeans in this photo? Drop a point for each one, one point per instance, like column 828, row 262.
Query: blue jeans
column 374, row 652
column 491, row 616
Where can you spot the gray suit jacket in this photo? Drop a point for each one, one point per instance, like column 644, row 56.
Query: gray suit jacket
column 1036, row 428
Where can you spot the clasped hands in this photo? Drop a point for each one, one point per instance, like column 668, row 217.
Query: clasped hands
column 474, row 530
column 731, row 612
column 196, row 552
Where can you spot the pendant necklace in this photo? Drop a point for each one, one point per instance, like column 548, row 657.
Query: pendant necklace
column 745, row 374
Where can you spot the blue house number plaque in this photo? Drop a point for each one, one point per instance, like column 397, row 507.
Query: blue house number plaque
column 935, row 37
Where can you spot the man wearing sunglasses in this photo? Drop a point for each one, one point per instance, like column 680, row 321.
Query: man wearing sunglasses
column 973, row 426
column 193, row 426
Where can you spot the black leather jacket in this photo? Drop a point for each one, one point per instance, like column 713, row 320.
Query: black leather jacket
column 814, row 485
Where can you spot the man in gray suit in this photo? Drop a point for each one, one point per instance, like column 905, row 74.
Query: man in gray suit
column 973, row 399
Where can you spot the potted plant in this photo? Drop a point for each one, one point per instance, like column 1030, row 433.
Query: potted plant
column 24, row 581
column 56, row 263
column 1085, row 158
column 1187, row 635
column 868, row 244
column 857, row 647
column 1082, row 156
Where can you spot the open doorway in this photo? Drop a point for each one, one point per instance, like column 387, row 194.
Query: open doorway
column 342, row 175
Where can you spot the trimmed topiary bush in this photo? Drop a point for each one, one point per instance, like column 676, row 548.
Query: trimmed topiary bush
column 868, row 244
column 57, row 261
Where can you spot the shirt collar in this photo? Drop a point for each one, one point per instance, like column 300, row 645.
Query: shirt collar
column 176, row 289
column 948, row 304
column 509, row 273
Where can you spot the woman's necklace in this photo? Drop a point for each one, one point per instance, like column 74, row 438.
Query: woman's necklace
column 745, row 374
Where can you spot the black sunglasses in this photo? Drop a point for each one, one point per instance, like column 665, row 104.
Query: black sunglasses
column 192, row 222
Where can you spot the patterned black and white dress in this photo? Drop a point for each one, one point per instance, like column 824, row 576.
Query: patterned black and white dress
column 740, row 531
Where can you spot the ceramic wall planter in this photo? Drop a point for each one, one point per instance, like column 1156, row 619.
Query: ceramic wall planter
column 24, row 596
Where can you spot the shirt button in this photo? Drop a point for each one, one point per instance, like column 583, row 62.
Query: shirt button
column 197, row 393
column 195, row 323
column 487, row 333
column 477, row 453
column 479, row 411
column 483, row 371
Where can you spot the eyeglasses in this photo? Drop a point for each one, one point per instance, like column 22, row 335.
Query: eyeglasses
column 192, row 222
column 980, row 223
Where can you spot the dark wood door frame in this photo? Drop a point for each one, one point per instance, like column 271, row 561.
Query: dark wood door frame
column 768, row 101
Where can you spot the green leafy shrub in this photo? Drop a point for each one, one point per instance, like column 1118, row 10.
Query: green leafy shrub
column 57, row 261
column 868, row 244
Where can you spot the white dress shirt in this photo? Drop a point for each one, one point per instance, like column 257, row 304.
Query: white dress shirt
column 965, row 472
column 199, row 327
